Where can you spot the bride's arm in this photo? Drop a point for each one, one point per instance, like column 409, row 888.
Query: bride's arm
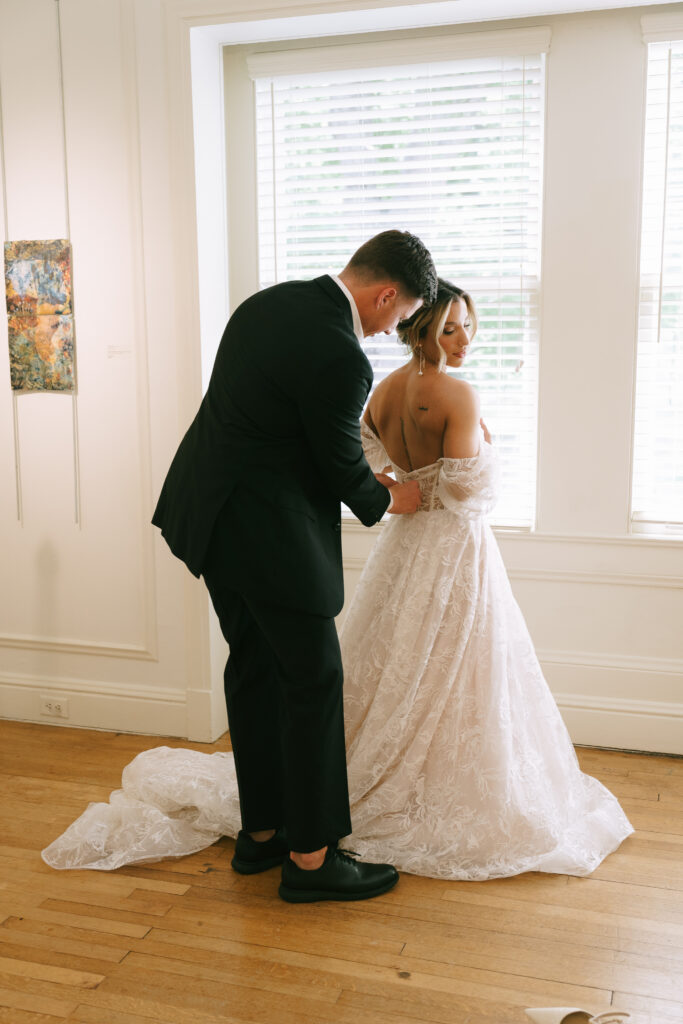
column 468, row 483
column 373, row 449
column 462, row 431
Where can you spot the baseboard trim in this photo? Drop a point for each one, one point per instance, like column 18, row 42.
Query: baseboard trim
column 601, row 721
column 114, row 707
column 649, row 726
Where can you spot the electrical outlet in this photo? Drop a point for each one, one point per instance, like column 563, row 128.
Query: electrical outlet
column 56, row 707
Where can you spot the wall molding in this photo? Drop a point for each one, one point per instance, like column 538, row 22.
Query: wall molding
column 99, row 688
column 73, row 646
column 354, row 562
column 620, row 662
column 351, row 526
column 629, row 540
column 610, row 579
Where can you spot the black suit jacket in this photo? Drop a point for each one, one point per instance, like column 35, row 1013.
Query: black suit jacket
column 274, row 449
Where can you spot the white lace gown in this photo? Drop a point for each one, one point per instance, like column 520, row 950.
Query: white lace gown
column 460, row 765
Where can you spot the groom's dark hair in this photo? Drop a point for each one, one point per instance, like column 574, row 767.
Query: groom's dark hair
column 397, row 256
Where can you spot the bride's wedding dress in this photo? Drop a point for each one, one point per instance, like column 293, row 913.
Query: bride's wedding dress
column 460, row 765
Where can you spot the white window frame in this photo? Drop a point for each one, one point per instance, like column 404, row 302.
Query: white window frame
column 514, row 43
column 658, row 28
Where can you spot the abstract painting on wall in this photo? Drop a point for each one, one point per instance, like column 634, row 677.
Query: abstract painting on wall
column 40, row 314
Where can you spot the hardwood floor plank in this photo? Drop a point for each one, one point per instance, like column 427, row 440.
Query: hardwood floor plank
column 10, row 998
column 652, row 817
column 149, row 1010
column 217, row 997
column 21, row 861
column 42, row 988
column 612, row 897
column 108, row 907
column 47, row 972
column 12, row 1015
column 596, row 762
column 100, row 1015
column 664, row 873
column 108, row 946
column 11, row 938
column 248, row 932
column 672, row 783
column 181, row 963
column 104, row 925
column 47, row 956
column 90, row 883
column 603, row 969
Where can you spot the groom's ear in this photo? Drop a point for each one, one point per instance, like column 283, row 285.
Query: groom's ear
column 387, row 294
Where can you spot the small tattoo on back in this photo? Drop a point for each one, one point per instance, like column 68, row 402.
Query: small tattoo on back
column 423, row 408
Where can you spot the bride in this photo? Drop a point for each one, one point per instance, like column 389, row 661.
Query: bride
column 459, row 763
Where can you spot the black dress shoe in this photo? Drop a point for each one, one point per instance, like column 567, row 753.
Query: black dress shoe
column 251, row 857
column 340, row 877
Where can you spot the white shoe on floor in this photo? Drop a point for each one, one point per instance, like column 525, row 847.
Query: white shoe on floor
column 572, row 1015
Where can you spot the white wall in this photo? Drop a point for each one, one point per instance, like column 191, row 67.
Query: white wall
column 97, row 613
column 102, row 614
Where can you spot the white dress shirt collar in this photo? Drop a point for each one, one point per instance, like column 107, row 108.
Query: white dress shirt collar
column 357, row 325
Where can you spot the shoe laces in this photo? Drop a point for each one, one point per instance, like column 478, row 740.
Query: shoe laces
column 348, row 855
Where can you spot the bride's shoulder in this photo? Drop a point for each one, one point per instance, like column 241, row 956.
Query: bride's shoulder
column 458, row 391
column 461, row 402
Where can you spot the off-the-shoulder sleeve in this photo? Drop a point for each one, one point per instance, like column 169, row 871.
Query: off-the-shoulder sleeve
column 373, row 449
column 470, row 486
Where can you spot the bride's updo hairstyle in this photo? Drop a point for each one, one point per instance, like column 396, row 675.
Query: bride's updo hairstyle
column 429, row 321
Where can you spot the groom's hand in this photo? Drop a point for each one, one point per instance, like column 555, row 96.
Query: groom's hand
column 406, row 497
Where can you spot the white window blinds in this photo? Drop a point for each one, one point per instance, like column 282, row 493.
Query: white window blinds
column 450, row 150
column 658, row 433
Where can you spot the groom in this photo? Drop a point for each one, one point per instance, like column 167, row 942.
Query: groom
column 252, row 503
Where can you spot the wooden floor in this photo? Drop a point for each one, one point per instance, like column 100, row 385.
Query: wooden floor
column 191, row 942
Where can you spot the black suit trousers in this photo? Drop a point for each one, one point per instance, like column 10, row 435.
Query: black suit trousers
column 283, row 689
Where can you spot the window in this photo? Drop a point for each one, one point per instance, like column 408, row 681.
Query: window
column 657, row 494
column 450, row 149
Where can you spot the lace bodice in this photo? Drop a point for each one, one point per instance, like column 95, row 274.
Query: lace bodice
column 467, row 487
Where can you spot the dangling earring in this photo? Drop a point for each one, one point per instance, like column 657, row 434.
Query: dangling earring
column 422, row 362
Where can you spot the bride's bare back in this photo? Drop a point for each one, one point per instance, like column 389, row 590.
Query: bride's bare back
column 422, row 418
